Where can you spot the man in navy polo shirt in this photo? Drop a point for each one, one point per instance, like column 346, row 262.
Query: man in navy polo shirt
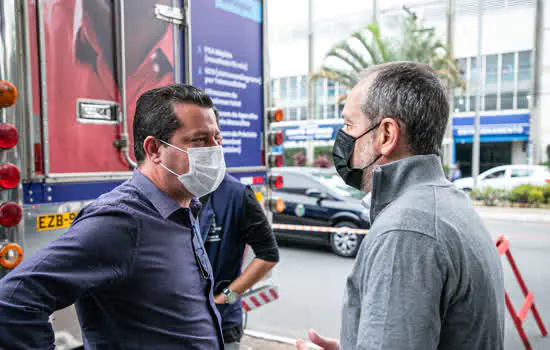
column 133, row 260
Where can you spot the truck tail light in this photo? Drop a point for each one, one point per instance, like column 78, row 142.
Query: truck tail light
column 8, row 94
column 9, row 176
column 276, row 115
column 8, row 136
column 276, row 138
column 10, row 214
column 277, row 205
column 11, row 255
column 276, row 160
column 276, row 182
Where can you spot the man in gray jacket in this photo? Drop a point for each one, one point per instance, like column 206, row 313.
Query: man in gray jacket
column 427, row 275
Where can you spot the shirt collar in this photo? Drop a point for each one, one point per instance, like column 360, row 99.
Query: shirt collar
column 84, row 38
column 392, row 180
column 162, row 202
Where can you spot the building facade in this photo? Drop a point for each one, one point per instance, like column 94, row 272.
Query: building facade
column 506, row 68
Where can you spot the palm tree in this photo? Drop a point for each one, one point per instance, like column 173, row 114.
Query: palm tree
column 367, row 47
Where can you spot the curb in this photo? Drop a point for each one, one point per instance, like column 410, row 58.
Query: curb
column 275, row 338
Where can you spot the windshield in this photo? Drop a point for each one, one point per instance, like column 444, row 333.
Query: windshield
column 335, row 183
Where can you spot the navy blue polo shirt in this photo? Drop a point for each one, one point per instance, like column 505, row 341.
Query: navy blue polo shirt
column 136, row 269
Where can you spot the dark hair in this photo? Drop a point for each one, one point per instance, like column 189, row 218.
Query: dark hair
column 155, row 113
column 412, row 94
column 217, row 114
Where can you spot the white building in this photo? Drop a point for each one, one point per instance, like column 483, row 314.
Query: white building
column 507, row 59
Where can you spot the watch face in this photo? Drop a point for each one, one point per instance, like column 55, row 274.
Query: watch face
column 232, row 297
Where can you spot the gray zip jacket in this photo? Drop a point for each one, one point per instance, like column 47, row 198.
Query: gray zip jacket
column 427, row 275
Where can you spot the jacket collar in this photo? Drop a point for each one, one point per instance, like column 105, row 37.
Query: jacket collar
column 392, row 180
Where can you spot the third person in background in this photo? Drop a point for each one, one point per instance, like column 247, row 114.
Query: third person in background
column 427, row 275
column 231, row 218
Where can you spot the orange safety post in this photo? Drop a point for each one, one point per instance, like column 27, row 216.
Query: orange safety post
column 503, row 246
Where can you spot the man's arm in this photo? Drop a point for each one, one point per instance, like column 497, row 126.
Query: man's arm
column 95, row 252
column 257, row 233
column 401, row 287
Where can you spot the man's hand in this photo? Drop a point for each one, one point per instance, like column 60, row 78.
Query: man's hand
column 219, row 299
column 324, row 343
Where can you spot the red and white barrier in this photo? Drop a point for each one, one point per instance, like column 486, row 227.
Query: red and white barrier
column 256, row 298
column 503, row 247
column 318, row 229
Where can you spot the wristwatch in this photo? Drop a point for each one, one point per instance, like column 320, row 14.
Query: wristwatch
column 231, row 297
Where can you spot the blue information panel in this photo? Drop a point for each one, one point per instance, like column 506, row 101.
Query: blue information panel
column 226, row 39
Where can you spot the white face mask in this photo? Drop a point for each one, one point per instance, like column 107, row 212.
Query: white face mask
column 206, row 169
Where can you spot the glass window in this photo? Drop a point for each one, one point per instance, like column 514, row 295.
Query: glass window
column 496, row 174
column 523, row 100
column 340, row 110
column 320, row 90
column 473, row 103
column 319, row 111
column 283, row 89
column 522, row 172
column 507, row 101
column 461, row 65
column 292, row 114
column 491, row 69
column 507, row 73
column 490, row 102
column 460, row 104
column 302, row 82
column 292, row 93
column 331, row 88
column 342, row 89
column 331, row 111
column 524, row 63
column 302, row 113
column 473, row 70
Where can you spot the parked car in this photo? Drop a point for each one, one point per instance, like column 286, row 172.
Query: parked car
column 507, row 177
column 319, row 197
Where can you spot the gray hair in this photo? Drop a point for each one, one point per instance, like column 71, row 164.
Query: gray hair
column 412, row 94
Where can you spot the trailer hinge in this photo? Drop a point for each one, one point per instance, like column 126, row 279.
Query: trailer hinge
column 170, row 14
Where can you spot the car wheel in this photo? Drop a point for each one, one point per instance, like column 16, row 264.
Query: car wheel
column 344, row 243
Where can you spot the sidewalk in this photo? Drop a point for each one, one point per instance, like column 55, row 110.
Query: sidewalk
column 513, row 214
column 254, row 340
column 251, row 343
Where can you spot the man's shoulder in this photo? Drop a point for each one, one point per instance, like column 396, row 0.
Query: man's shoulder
column 124, row 198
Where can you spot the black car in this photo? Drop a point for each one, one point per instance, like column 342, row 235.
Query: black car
column 319, row 197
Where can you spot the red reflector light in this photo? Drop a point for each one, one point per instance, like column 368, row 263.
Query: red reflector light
column 276, row 138
column 548, row 181
column 10, row 214
column 9, row 176
column 8, row 136
column 277, row 182
column 276, row 160
column 257, row 180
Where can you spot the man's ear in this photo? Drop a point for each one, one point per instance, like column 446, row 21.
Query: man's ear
column 152, row 149
column 388, row 138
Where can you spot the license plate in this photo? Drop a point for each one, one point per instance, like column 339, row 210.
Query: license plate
column 54, row 221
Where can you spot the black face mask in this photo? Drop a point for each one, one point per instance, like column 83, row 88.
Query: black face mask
column 341, row 154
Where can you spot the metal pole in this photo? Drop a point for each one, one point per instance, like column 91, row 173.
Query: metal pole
column 475, row 150
column 533, row 147
column 310, row 66
column 310, row 85
column 450, row 43
column 375, row 12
